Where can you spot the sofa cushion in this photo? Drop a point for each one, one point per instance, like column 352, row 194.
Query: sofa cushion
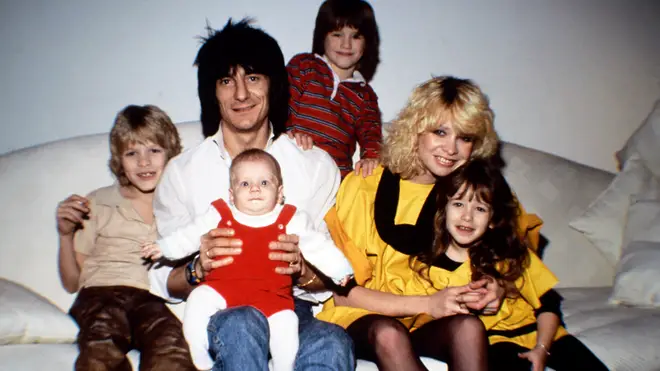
column 637, row 280
column 603, row 222
column 645, row 141
column 26, row 317
column 624, row 338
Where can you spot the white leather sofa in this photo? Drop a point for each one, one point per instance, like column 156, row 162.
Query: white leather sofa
column 35, row 335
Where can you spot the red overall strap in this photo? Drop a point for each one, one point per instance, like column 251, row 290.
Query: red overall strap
column 223, row 209
column 286, row 214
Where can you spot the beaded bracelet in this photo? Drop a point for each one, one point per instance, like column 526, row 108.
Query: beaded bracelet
column 191, row 272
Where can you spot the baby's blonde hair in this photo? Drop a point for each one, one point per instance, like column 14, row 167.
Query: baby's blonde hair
column 435, row 102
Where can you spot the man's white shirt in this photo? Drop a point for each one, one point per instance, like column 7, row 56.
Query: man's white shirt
column 200, row 175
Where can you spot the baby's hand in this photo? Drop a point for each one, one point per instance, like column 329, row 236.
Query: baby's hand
column 345, row 280
column 367, row 165
column 150, row 250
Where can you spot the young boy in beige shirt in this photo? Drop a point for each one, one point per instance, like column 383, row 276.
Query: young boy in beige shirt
column 99, row 254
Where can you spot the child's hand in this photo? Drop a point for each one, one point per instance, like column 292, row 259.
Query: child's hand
column 367, row 165
column 150, row 250
column 537, row 356
column 303, row 141
column 70, row 214
column 494, row 292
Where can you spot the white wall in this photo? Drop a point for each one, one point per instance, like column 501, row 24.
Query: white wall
column 570, row 77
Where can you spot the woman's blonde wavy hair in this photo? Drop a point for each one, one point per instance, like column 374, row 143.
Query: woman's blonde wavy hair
column 435, row 102
column 141, row 124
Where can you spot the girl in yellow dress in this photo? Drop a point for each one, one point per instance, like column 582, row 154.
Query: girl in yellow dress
column 381, row 219
column 476, row 236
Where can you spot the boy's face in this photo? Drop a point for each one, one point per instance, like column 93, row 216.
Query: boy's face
column 143, row 165
column 254, row 187
column 467, row 217
column 344, row 49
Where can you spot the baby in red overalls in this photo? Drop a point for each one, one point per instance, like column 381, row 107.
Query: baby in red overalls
column 258, row 216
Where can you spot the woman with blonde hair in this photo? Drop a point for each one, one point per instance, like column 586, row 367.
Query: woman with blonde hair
column 381, row 220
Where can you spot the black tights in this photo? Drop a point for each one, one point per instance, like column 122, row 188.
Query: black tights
column 566, row 354
column 460, row 341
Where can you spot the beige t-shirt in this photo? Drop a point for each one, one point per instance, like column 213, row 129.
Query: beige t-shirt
column 111, row 240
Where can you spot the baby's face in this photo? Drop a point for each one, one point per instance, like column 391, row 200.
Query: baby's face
column 254, row 188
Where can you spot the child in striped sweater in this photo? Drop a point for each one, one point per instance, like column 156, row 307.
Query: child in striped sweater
column 331, row 99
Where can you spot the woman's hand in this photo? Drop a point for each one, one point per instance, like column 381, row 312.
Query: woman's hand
column 490, row 302
column 537, row 357
column 217, row 242
column 286, row 250
column 453, row 300
column 70, row 214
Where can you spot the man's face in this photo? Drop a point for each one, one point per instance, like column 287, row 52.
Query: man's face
column 243, row 100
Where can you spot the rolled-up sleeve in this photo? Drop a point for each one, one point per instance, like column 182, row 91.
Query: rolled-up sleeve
column 170, row 213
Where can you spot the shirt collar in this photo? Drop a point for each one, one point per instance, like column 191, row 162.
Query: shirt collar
column 357, row 77
column 219, row 141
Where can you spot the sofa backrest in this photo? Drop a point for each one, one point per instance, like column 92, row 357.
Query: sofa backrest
column 35, row 179
column 558, row 190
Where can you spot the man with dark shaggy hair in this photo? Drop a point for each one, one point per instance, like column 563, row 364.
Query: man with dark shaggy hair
column 243, row 91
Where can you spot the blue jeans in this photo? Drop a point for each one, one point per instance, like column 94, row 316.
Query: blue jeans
column 238, row 340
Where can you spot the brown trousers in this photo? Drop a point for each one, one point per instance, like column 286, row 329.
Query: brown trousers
column 115, row 319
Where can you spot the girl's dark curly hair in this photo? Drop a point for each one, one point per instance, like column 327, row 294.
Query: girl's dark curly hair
column 500, row 253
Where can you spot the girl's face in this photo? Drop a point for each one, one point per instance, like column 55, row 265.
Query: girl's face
column 442, row 151
column 344, row 49
column 467, row 217
column 143, row 164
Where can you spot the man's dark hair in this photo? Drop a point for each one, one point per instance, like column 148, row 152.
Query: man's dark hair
column 240, row 44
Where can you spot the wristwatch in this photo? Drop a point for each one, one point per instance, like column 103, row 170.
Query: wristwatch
column 191, row 274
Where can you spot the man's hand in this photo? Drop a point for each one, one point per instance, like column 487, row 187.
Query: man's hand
column 70, row 214
column 218, row 242
column 493, row 296
column 303, row 140
column 287, row 251
column 367, row 165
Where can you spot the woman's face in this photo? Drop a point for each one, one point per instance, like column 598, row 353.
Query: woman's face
column 444, row 150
